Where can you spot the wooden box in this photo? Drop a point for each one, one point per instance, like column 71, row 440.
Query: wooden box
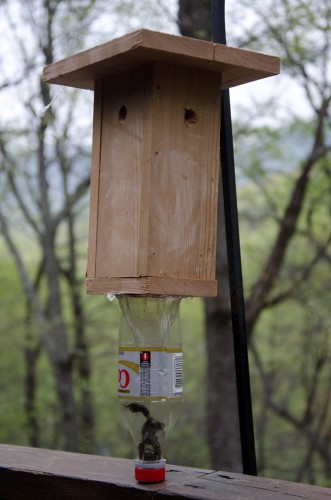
column 155, row 159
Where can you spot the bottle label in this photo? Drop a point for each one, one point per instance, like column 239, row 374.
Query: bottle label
column 150, row 373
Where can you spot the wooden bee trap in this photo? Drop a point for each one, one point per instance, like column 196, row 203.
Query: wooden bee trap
column 155, row 158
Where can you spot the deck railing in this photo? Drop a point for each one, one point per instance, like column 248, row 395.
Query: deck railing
column 38, row 474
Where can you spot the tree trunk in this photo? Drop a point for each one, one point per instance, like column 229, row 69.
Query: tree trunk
column 31, row 355
column 87, row 423
column 55, row 338
column 222, row 408
column 56, row 343
column 194, row 18
column 222, row 414
column 64, row 386
column 82, row 357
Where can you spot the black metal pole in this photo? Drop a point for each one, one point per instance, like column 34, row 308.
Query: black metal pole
column 234, row 262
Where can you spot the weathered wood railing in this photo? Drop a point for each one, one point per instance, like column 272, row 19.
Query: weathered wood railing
column 30, row 473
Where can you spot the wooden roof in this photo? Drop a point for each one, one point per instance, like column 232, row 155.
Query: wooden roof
column 237, row 66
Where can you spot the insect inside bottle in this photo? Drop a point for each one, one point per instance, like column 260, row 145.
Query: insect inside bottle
column 149, row 447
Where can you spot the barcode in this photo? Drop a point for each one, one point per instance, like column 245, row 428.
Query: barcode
column 178, row 372
column 145, row 381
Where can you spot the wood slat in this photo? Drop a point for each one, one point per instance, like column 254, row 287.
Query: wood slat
column 30, row 474
column 95, row 178
column 154, row 180
column 152, row 286
column 124, row 175
column 184, row 173
column 238, row 66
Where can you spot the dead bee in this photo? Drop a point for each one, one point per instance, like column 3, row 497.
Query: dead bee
column 149, row 448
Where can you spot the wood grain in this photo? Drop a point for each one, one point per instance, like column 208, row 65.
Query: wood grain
column 124, row 175
column 152, row 286
column 95, row 178
column 238, row 66
column 184, row 173
column 155, row 158
column 30, row 474
column 155, row 179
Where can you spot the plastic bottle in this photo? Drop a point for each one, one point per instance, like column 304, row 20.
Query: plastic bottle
column 150, row 377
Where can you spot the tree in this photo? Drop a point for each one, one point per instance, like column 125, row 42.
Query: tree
column 300, row 33
column 45, row 179
column 222, row 404
column 46, row 187
column 44, row 173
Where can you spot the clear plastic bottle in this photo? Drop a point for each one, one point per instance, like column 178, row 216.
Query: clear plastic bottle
column 150, row 377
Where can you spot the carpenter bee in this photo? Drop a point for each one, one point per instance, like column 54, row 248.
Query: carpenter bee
column 149, row 447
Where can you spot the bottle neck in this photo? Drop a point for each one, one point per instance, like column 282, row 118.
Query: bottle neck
column 151, row 320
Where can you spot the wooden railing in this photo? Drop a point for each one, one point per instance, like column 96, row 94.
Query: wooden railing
column 30, row 473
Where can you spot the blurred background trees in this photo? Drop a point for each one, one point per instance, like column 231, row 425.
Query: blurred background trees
column 58, row 348
column 296, row 247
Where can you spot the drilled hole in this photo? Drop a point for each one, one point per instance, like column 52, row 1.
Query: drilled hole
column 190, row 117
column 122, row 114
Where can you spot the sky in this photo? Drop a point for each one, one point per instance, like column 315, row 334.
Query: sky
column 244, row 99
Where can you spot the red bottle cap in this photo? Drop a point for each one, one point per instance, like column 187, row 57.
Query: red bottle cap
column 149, row 475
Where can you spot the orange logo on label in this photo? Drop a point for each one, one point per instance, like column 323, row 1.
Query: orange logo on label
column 123, row 378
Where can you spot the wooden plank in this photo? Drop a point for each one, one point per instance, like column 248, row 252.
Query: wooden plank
column 243, row 66
column 230, row 486
column 30, row 473
column 132, row 50
column 146, row 163
column 95, row 176
column 184, row 175
column 152, row 286
column 124, row 174
column 154, row 205
column 125, row 53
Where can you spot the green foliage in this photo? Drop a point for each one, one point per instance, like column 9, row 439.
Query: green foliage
column 291, row 345
column 292, row 340
column 12, row 417
column 283, row 339
column 103, row 320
